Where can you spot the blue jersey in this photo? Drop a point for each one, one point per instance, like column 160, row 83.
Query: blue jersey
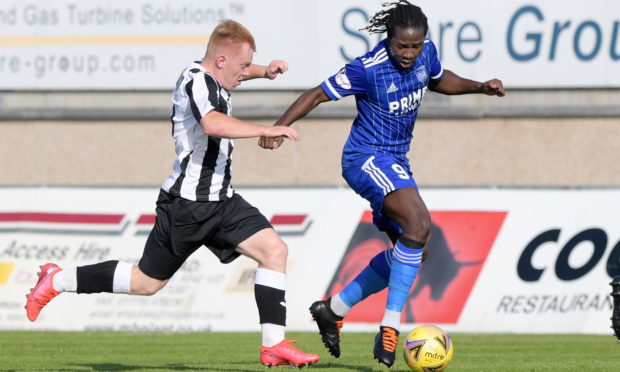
column 387, row 99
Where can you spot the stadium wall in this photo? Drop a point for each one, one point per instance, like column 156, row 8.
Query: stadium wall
column 541, row 152
column 562, row 138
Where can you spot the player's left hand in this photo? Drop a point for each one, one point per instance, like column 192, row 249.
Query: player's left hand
column 493, row 87
column 277, row 66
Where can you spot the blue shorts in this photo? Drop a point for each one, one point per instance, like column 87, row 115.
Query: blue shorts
column 374, row 177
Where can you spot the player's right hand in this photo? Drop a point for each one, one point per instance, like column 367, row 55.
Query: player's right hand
column 277, row 131
column 274, row 136
column 270, row 143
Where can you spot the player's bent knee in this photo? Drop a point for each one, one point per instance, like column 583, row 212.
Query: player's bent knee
column 148, row 288
column 281, row 251
column 266, row 248
column 425, row 227
column 144, row 285
column 418, row 228
column 276, row 254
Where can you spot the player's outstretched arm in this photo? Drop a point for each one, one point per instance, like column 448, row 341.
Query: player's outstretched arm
column 451, row 84
column 276, row 67
column 219, row 125
column 300, row 108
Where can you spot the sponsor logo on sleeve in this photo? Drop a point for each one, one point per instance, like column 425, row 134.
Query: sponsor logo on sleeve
column 422, row 75
column 342, row 80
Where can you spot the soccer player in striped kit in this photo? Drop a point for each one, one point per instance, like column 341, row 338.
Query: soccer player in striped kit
column 389, row 83
column 197, row 205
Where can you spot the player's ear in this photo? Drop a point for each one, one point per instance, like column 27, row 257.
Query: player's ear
column 220, row 62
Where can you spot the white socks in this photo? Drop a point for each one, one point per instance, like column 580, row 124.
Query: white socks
column 122, row 278
column 391, row 319
column 272, row 334
column 270, row 278
column 338, row 306
column 65, row 280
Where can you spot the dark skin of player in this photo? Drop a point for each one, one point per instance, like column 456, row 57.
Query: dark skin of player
column 404, row 206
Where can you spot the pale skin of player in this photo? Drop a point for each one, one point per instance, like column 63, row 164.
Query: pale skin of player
column 231, row 64
column 404, row 206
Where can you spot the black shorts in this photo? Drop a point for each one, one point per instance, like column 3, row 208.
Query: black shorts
column 182, row 226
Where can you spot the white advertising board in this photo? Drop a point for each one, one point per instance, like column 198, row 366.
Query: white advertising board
column 526, row 261
column 143, row 45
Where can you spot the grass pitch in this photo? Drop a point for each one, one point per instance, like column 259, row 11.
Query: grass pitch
column 158, row 352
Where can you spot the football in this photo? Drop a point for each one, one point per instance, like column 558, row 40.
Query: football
column 428, row 348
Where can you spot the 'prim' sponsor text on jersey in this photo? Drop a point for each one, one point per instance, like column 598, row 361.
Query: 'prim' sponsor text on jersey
column 202, row 169
column 387, row 98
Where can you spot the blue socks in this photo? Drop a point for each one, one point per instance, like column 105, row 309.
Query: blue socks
column 371, row 280
column 395, row 268
column 406, row 261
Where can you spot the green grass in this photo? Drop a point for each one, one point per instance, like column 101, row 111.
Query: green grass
column 109, row 351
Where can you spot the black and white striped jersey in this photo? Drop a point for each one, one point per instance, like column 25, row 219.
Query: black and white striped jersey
column 202, row 169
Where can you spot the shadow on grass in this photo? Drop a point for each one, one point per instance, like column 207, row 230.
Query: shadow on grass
column 116, row 367
column 341, row 366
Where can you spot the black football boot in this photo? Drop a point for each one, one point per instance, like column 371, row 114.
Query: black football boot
column 329, row 325
column 386, row 342
column 615, row 315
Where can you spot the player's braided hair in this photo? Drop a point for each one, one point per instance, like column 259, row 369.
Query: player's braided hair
column 401, row 14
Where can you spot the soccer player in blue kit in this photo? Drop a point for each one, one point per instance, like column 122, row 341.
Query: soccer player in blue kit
column 389, row 83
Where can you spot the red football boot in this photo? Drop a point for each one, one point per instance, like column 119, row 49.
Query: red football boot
column 286, row 354
column 43, row 292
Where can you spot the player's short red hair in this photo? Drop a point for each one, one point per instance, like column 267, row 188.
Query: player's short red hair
column 232, row 31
